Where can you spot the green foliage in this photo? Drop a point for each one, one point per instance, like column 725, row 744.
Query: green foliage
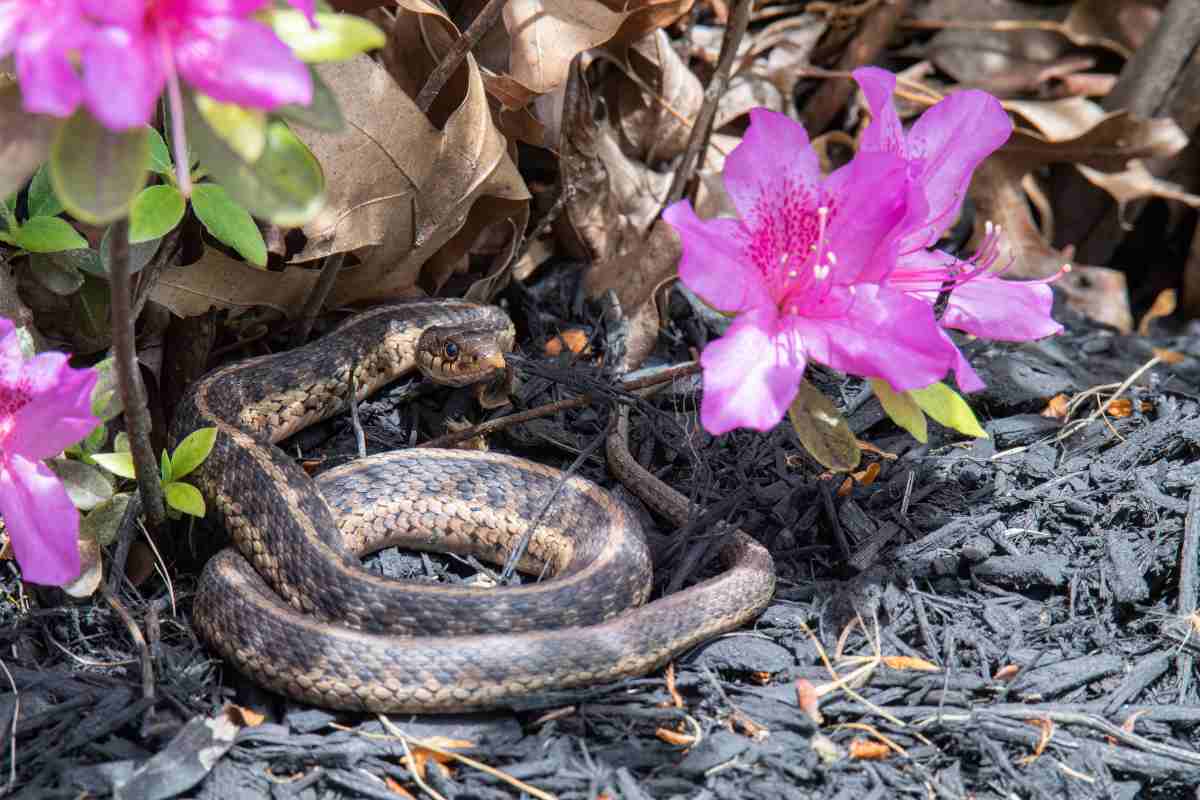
column 337, row 37
column 97, row 172
column 947, row 407
column 181, row 497
column 823, row 430
column 903, row 410
column 228, row 222
column 155, row 213
column 284, row 185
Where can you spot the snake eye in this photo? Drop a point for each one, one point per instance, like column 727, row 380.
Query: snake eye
column 451, row 350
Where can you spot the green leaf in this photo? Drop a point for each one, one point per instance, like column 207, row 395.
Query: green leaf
column 116, row 463
column 60, row 277
column 49, row 235
column 285, row 185
column 243, row 129
column 97, row 172
column 140, row 253
column 184, row 497
column 903, row 410
column 160, row 157
column 106, row 400
column 94, row 440
column 337, row 37
column 228, row 222
column 192, row 451
column 87, row 486
column 823, row 430
column 24, row 140
column 83, row 260
column 102, row 522
column 947, row 407
column 42, row 201
column 155, row 212
column 121, row 442
column 164, row 466
column 322, row 113
column 92, row 303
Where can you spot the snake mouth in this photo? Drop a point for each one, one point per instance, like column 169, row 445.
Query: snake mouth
column 462, row 357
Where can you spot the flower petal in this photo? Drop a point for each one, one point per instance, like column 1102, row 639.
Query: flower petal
column 871, row 197
column 988, row 305
column 773, row 160
column 12, row 360
column 713, row 264
column 884, row 133
column 49, row 83
column 751, row 375
column 120, row 57
column 884, row 333
column 42, row 523
column 945, row 146
column 128, row 13
column 243, row 62
column 58, row 414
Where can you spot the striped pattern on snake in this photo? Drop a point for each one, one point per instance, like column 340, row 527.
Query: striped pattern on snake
column 291, row 606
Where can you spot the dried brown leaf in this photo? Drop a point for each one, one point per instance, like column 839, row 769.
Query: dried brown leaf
column 544, row 36
column 654, row 112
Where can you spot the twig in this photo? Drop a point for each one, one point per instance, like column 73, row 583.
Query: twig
column 360, row 438
column 578, row 401
column 1189, row 563
column 482, row 23
column 149, row 273
column 697, row 146
column 129, row 379
column 519, row 785
column 1069, row 430
column 139, row 641
column 317, row 297
column 518, row 552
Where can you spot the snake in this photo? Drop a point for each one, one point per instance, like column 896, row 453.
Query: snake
column 290, row 605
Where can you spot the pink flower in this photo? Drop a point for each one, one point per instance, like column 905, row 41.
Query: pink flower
column 215, row 45
column 42, row 35
column 942, row 150
column 836, row 269
column 45, row 405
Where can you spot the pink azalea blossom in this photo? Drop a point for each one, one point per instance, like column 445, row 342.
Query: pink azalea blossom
column 45, row 405
column 214, row 45
column 835, row 269
column 42, row 35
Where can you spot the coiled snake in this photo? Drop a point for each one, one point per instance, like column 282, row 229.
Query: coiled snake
column 294, row 610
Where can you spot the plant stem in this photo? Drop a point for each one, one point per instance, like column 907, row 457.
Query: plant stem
column 317, row 297
column 693, row 157
column 129, row 379
column 482, row 23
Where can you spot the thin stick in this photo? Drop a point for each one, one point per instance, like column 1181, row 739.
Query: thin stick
column 482, row 23
column 578, row 401
column 139, row 641
column 693, row 157
column 317, row 297
column 519, row 785
column 1189, row 564
column 129, row 379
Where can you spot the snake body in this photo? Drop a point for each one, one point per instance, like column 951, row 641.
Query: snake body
column 292, row 608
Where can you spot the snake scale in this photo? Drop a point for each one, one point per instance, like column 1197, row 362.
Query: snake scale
column 291, row 606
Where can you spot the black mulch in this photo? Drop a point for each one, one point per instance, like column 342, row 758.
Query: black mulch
column 1015, row 617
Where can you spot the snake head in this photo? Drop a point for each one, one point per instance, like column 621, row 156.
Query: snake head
column 454, row 356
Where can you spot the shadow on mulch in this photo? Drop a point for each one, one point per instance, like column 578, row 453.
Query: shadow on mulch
column 1010, row 617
